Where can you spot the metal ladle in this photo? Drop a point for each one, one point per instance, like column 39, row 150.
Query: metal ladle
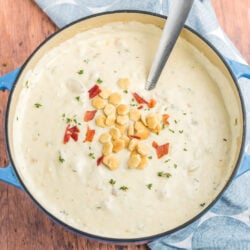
column 171, row 31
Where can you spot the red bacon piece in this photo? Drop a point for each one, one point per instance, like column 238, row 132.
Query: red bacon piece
column 89, row 115
column 139, row 99
column 71, row 132
column 89, row 136
column 100, row 160
column 161, row 150
column 94, row 91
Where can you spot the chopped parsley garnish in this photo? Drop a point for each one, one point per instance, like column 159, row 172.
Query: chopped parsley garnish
column 125, row 91
column 184, row 113
column 71, row 120
column 164, row 174
column 224, row 139
column 86, row 61
column 175, row 121
column 80, row 72
column 27, row 84
column 184, row 149
column 68, row 120
column 166, row 161
column 77, row 98
column 171, row 130
column 91, row 155
column 150, row 157
column 99, row 81
column 165, row 109
column 203, row 204
column 112, row 182
column 4, row 64
column 123, row 188
column 149, row 186
column 180, row 131
column 235, row 121
column 175, row 165
column 38, row 105
column 61, row 159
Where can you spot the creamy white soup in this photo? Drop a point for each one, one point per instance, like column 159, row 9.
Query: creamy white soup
column 110, row 158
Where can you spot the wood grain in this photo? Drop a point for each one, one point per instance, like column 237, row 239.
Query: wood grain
column 22, row 27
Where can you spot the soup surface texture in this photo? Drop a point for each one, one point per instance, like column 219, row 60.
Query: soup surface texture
column 130, row 170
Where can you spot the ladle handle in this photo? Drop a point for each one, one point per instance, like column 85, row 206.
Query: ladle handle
column 171, row 31
column 7, row 173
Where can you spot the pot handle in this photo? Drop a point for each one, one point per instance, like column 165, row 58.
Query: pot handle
column 7, row 174
column 241, row 70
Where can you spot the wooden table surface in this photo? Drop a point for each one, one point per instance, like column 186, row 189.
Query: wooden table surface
column 22, row 27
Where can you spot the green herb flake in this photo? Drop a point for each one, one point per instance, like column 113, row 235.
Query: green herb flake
column 166, row 161
column 112, row 182
column 150, row 157
column 235, row 121
column 123, row 188
column 171, row 130
column 80, row 72
column 164, row 174
column 165, row 109
column 181, row 131
column 125, row 91
column 91, row 155
column 38, row 105
column 86, row 61
column 149, row 186
column 61, row 159
column 99, row 81
column 63, row 115
column 27, row 84
column 175, row 165
column 68, row 120
column 184, row 113
column 184, row 149
column 77, row 98
column 4, row 64
column 203, row 204
column 224, row 139
column 175, row 121
column 99, row 207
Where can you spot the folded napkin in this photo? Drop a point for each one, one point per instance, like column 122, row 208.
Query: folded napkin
column 226, row 225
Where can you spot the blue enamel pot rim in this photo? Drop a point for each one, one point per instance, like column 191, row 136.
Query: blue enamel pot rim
column 124, row 241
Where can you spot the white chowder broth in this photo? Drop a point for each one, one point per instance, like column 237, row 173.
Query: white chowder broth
column 109, row 158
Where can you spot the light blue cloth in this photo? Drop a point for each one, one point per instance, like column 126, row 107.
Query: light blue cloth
column 226, row 225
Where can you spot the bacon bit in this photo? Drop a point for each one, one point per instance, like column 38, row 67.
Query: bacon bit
column 100, row 160
column 139, row 99
column 154, row 144
column 161, row 150
column 94, row 91
column 135, row 137
column 71, row 132
column 165, row 119
column 151, row 103
column 140, row 107
column 89, row 135
column 89, row 115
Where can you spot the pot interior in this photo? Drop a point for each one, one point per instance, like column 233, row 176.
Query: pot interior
column 226, row 85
